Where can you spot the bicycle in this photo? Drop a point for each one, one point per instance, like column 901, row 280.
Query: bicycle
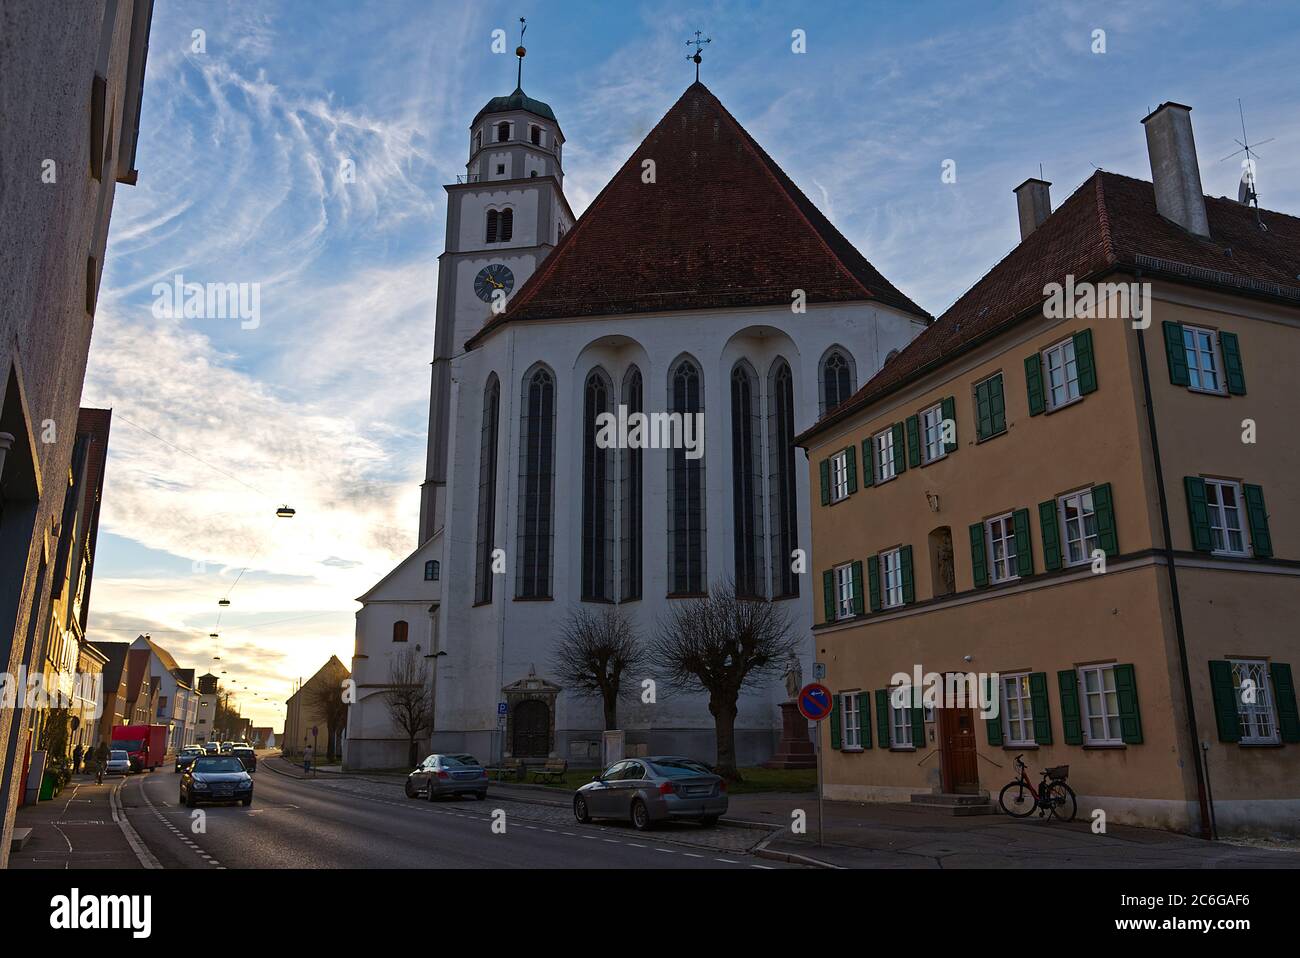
column 1050, row 798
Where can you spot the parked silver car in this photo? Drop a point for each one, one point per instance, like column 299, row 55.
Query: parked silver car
column 654, row 789
column 440, row 775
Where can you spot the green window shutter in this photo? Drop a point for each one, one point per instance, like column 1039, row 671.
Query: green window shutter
column 1257, row 519
column 1071, row 726
column 1047, row 521
column 868, row 464
column 1084, row 363
column 882, row 716
column 900, row 450
column 1034, row 384
column 828, row 594
column 913, row 441
column 983, row 412
column 1176, row 353
column 1288, row 718
column 851, row 468
column 1024, row 542
column 909, row 581
column 918, row 726
column 994, row 725
column 835, row 721
column 1103, row 505
column 1225, row 700
column 824, row 467
column 864, row 718
column 1042, row 712
column 1130, row 719
column 873, row 581
column 979, row 566
column 857, row 587
column 1232, row 363
column 997, row 403
column 949, row 411
column 1198, row 511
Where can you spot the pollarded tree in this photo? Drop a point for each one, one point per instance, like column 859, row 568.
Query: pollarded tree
column 722, row 644
column 596, row 652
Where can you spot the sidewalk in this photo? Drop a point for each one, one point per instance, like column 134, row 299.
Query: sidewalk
column 80, row 829
column 902, row 836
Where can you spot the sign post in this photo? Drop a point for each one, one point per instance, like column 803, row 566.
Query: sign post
column 815, row 703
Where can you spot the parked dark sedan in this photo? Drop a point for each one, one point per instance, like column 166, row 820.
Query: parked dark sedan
column 216, row 778
column 246, row 755
column 439, row 775
column 649, row 790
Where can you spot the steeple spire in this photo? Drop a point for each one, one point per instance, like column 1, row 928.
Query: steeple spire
column 520, row 52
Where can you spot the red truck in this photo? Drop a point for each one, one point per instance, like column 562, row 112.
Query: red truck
column 146, row 745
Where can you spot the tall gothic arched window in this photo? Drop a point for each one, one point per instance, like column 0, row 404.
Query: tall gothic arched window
column 686, row 502
column 747, row 481
column 838, row 379
column 632, row 512
column 597, row 494
column 487, row 490
column 536, row 485
column 783, row 501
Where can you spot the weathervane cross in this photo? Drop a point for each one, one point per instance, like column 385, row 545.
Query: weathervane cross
column 695, row 57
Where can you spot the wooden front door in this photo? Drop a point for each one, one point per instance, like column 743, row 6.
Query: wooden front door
column 957, row 738
column 532, row 730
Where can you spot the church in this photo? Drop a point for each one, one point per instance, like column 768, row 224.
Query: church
column 701, row 281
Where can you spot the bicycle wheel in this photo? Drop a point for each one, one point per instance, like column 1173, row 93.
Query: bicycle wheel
column 1017, row 800
column 1061, row 801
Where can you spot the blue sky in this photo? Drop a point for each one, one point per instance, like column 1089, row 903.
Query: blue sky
column 324, row 403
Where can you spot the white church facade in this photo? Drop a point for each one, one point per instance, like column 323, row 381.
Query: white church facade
column 700, row 280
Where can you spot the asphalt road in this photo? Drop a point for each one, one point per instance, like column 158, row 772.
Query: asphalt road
column 306, row 823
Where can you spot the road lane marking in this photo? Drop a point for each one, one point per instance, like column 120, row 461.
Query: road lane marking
column 146, row 857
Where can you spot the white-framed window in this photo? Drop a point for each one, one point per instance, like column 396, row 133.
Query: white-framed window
column 900, row 724
column 1001, row 536
column 1202, row 348
column 1060, row 374
column 844, row 591
column 1223, row 501
column 932, row 446
column 1017, row 710
column 1100, row 705
column 882, row 447
column 891, row 578
column 1078, row 527
column 851, row 711
column 840, row 475
column 1255, row 709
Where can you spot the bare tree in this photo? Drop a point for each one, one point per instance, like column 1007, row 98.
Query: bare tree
column 409, row 697
column 325, row 698
column 597, row 649
column 722, row 644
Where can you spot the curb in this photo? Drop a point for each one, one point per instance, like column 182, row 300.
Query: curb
column 762, row 851
column 147, row 858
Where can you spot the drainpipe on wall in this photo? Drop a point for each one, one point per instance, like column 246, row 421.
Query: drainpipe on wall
column 1202, row 793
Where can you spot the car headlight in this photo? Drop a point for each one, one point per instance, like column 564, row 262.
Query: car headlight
column 198, row 784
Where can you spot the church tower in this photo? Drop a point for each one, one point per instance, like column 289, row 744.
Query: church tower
column 504, row 215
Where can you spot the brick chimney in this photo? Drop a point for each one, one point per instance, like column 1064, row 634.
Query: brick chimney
column 1174, row 170
column 1034, row 204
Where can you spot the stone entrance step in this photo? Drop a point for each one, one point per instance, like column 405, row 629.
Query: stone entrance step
column 19, row 839
column 955, row 804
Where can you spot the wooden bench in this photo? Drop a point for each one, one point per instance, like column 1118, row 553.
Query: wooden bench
column 552, row 771
column 510, row 768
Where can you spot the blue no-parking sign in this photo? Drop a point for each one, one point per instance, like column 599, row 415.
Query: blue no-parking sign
column 815, row 701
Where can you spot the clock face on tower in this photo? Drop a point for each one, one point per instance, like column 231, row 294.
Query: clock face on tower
column 496, row 276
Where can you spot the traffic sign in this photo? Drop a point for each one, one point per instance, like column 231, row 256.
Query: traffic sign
column 502, row 709
column 815, row 701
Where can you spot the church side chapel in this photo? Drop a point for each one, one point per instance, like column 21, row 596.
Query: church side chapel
column 700, row 280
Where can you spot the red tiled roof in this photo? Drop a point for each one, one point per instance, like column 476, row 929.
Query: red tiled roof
column 721, row 226
column 1109, row 222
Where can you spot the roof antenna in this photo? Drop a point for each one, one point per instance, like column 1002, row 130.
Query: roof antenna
column 695, row 57
column 520, row 52
column 1246, row 194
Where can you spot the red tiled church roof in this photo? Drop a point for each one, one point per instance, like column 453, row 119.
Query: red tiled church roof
column 721, row 226
column 1109, row 223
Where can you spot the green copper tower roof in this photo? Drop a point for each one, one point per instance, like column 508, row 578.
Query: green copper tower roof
column 519, row 100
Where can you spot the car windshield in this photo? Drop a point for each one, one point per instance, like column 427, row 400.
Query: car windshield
column 206, row 764
column 129, row 744
column 117, row 755
column 457, row 761
column 191, row 750
column 681, row 768
column 466, row 759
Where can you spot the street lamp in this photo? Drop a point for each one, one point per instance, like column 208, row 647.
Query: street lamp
column 285, row 512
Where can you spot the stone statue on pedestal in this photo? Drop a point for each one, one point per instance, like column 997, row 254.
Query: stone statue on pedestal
column 793, row 676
